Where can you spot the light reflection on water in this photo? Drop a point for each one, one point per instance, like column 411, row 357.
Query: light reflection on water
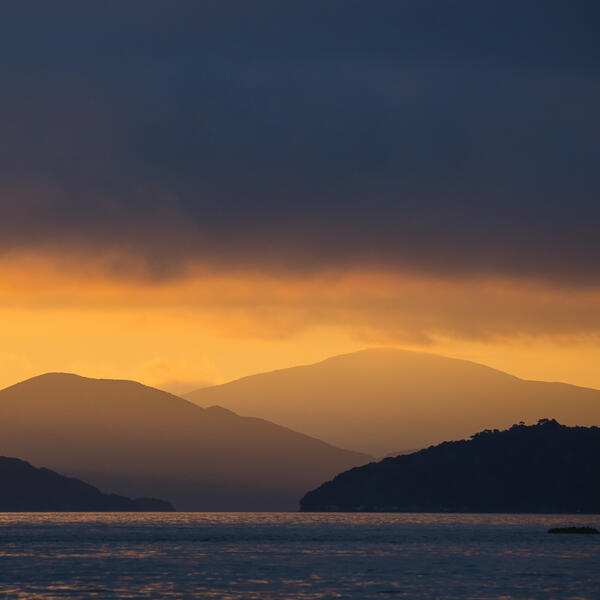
column 239, row 556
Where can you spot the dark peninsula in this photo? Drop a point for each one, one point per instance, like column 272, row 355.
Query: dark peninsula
column 543, row 468
column 25, row 488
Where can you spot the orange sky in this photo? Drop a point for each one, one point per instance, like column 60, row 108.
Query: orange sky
column 266, row 184
column 205, row 327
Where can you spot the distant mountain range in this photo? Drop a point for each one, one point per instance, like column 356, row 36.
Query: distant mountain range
column 382, row 400
column 545, row 468
column 24, row 488
column 139, row 441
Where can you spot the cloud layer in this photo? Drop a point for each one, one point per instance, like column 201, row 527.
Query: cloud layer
column 419, row 138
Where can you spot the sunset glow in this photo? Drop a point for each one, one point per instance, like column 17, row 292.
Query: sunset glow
column 209, row 326
column 299, row 299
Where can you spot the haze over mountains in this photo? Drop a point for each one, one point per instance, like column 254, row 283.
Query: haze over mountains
column 382, row 401
column 139, row 441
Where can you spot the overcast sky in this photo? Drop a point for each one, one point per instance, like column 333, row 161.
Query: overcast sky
column 194, row 191
column 421, row 136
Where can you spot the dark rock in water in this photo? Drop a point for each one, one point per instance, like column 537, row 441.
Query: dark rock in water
column 25, row 488
column 543, row 468
column 573, row 530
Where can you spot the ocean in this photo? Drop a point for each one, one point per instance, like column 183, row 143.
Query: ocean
column 295, row 556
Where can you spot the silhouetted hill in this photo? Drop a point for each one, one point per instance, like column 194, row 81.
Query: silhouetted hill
column 24, row 488
column 398, row 453
column 379, row 400
column 546, row 468
column 140, row 441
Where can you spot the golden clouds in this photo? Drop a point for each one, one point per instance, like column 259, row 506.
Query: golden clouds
column 207, row 326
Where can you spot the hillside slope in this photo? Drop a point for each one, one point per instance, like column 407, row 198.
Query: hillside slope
column 139, row 441
column 25, row 488
column 381, row 400
column 546, row 468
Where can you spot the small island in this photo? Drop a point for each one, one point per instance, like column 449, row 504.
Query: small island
column 542, row 468
column 25, row 488
column 576, row 530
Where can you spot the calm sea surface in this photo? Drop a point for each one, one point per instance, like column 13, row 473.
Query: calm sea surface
column 295, row 556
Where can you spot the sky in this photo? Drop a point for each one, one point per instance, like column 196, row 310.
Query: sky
column 195, row 191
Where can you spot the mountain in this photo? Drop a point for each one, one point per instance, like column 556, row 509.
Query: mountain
column 24, row 488
column 377, row 401
column 140, row 441
column 545, row 468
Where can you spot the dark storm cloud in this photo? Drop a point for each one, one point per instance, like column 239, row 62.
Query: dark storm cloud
column 438, row 137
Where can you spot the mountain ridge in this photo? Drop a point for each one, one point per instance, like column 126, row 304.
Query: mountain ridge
column 380, row 399
column 140, row 441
